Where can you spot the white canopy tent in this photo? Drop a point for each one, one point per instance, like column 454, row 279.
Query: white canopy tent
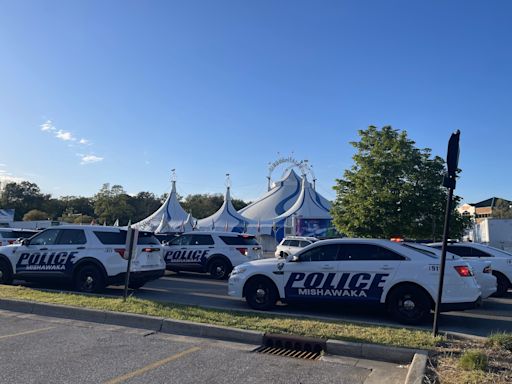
column 170, row 217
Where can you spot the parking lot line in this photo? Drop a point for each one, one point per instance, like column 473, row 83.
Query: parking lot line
column 26, row 332
column 151, row 366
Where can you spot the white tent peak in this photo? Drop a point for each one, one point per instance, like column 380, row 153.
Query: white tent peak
column 170, row 217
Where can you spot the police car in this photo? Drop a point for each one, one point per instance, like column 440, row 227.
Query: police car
column 90, row 257
column 501, row 261
column 213, row 252
column 11, row 235
column 376, row 272
column 482, row 269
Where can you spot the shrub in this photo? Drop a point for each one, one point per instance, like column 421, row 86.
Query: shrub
column 501, row 340
column 472, row 360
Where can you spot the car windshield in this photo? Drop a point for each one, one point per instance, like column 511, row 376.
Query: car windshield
column 501, row 251
column 426, row 252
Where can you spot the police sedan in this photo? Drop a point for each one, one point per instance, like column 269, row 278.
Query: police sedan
column 376, row 272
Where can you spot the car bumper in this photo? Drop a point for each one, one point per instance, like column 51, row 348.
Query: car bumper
column 448, row 307
column 136, row 277
column 235, row 286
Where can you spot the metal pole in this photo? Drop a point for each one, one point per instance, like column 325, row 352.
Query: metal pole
column 130, row 239
column 442, row 262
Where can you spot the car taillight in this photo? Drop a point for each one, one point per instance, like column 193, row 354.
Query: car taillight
column 243, row 251
column 488, row 269
column 463, row 270
column 121, row 251
column 150, row 249
column 11, row 241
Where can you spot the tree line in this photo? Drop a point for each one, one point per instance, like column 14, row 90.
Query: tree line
column 109, row 204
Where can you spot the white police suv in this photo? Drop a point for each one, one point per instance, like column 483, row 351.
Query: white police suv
column 292, row 244
column 89, row 256
column 213, row 252
column 501, row 261
column 376, row 272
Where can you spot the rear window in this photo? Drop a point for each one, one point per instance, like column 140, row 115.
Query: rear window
column 239, row 240
column 7, row 234
column 119, row 238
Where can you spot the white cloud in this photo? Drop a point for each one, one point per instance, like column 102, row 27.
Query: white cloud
column 4, row 179
column 47, row 126
column 64, row 135
column 3, row 165
column 83, row 141
column 89, row 159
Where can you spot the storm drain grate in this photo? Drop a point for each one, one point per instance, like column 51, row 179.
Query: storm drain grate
column 289, row 353
column 292, row 346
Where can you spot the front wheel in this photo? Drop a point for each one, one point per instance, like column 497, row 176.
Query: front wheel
column 261, row 294
column 219, row 269
column 5, row 273
column 408, row 305
column 89, row 279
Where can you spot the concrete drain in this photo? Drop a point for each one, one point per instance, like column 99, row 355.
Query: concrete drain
column 292, row 346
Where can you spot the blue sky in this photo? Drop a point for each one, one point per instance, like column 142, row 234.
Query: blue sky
column 124, row 91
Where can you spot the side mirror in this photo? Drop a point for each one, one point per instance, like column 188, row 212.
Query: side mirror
column 25, row 242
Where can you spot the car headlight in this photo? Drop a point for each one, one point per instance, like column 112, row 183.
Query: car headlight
column 238, row 270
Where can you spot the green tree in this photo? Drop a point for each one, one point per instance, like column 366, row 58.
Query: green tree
column 111, row 204
column 204, row 205
column 23, row 197
column 392, row 189
column 35, row 214
column 144, row 204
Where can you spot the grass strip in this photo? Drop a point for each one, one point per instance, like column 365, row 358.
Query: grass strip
column 264, row 322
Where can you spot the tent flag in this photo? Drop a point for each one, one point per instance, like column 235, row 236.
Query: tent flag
column 226, row 226
column 182, row 226
column 116, row 223
column 105, row 223
column 213, row 225
column 259, row 226
column 129, row 223
column 245, row 226
column 93, row 222
column 195, row 225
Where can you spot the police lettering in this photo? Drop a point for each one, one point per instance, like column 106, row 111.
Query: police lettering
column 186, row 256
column 354, row 285
column 51, row 261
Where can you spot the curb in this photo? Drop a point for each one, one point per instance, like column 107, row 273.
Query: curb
column 417, row 369
column 377, row 352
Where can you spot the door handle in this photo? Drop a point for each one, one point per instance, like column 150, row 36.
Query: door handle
column 327, row 267
column 43, row 249
column 386, row 268
column 80, row 247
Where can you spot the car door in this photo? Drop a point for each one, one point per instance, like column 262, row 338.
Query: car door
column 42, row 254
column 311, row 276
column 365, row 270
column 176, row 251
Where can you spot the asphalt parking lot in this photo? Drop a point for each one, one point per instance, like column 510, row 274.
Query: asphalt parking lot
column 36, row 349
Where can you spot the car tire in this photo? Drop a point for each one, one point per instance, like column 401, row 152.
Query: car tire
column 6, row 277
column 502, row 285
column 261, row 294
column 408, row 304
column 89, row 279
column 219, row 269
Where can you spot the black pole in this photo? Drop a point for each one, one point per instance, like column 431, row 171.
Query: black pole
column 442, row 262
column 131, row 236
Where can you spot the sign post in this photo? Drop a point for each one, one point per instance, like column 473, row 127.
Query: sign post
column 132, row 236
column 449, row 181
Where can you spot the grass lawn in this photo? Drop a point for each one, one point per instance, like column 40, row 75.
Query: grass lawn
column 265, row 322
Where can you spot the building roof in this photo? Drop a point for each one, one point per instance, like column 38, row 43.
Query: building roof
column 491, row 202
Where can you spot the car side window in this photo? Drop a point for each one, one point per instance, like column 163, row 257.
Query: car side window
column 182, row 240
column 303, row 243
column 46, row 237
column 286, row 242
column 323, row 253
column 461, row 251
column 71, row 236
column 475, row 252
column 294, row 243
column 201, row 240
column 367, row 252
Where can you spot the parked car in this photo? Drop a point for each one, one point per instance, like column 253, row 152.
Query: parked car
column 215, row 253
column 369, row 271
column 11, row 235
column 482, row 269
column 501, row 261
column 89, row 256
column 292, row 244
